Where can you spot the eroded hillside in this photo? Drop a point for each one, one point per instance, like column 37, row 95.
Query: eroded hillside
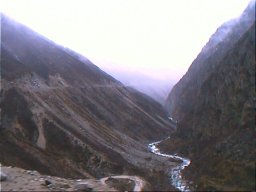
column 62, row 115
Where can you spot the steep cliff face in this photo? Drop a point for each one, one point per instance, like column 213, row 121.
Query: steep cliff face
column 209, row 58
column 62, row 115
column 214, row 103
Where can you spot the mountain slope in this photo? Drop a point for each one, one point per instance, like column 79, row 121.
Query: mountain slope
column 214, row 103
column 156, row 88
column 62, row 115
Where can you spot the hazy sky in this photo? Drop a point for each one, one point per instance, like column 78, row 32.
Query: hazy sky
column 159, row 37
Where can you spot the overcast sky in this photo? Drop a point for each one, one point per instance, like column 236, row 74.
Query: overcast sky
column 159, row 37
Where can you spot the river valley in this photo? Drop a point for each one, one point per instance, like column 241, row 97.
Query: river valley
column 174, row 173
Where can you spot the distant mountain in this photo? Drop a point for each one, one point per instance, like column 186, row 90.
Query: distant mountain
column 214, row 104
column 155, row 88
column 62, row 115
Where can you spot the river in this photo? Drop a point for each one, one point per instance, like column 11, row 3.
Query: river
column 175, row 172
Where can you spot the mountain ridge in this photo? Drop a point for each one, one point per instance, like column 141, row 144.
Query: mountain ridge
column 63, row 116
column 214, row 104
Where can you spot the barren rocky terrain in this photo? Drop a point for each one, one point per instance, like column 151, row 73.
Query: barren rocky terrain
column 63, row 116
column 17, row 179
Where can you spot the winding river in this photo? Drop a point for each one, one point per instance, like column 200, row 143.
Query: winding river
column 175, row 173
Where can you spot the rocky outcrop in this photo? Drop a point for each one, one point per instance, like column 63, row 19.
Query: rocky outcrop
column 62, row 115
column 214, row 104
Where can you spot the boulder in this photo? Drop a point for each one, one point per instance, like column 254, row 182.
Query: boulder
column 83, row 187
column 3, row 176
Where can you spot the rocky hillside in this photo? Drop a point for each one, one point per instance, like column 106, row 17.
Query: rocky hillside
column 62, row 115
column 214, row 104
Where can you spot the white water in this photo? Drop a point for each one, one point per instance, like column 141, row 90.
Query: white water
column 175, row 173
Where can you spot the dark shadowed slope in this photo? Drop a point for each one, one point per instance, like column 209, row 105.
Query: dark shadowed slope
column 214, row 103
column 62, row 115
